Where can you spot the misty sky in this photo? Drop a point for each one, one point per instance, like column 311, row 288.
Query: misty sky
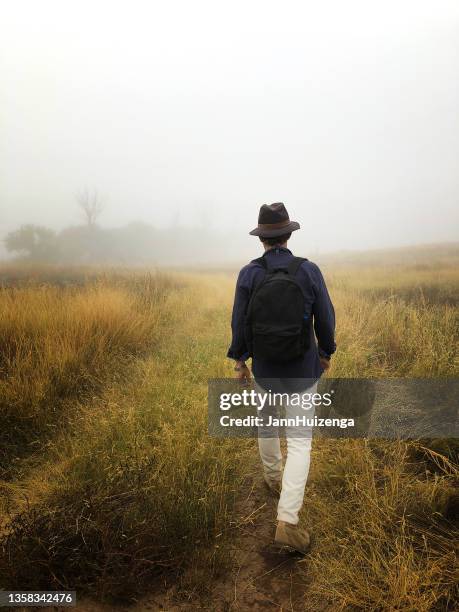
column 198, row 112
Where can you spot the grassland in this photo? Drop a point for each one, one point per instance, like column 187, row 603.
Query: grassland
column 110, row 484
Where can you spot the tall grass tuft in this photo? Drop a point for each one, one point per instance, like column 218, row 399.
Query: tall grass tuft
column 386, row 531
column 60, row 346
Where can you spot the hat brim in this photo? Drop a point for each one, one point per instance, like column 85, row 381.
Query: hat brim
column 291, row 227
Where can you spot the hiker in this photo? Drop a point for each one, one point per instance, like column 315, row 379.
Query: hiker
column 280, row 301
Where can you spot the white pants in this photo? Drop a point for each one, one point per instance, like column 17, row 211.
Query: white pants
column 297, row 463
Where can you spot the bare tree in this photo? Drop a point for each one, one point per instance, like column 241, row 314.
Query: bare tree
column 91, row 205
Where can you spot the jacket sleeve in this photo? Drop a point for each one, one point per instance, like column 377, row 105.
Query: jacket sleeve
column 238, row 349
column 324, row 316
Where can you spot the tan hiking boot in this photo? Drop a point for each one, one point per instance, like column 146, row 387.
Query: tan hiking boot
column 274, row 485
column 291, row 535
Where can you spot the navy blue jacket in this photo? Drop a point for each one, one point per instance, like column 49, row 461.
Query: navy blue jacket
column 317, row 305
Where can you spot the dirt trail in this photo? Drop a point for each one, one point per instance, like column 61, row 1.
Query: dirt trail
column 262, row 576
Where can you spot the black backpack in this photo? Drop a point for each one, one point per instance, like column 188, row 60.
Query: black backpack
column 276, row 329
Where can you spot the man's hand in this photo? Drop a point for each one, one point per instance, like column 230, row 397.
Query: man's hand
column 242, row 372
column 325, row 363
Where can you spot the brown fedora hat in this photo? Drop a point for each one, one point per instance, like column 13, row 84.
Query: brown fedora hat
column 273, row 220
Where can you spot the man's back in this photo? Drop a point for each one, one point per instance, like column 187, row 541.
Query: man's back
column 318, row 308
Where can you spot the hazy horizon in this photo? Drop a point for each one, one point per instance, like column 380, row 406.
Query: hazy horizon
column 195, row 114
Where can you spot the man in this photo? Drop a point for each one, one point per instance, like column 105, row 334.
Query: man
column 295, row 363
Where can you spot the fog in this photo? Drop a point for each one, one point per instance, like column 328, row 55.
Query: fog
column 190, row 115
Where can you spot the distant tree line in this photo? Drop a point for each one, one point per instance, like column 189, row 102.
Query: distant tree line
column 136, row 243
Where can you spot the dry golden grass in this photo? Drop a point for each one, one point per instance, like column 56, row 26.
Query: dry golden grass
column 384, row 528
column 109, row 477
column 386, row 514
column 393, row 338
column 60, row 345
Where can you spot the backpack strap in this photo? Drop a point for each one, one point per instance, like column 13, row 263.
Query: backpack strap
column 294, row 265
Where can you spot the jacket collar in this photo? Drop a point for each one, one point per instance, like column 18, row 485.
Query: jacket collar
column 276, row 250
